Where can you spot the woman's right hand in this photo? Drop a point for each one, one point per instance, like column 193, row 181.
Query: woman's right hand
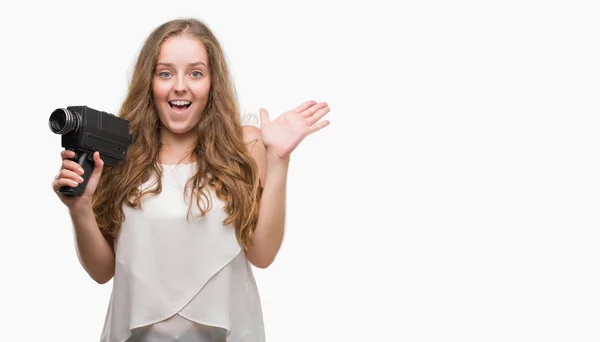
column 71, row 174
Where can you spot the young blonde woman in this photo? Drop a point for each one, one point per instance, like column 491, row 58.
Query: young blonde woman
column 199, row 197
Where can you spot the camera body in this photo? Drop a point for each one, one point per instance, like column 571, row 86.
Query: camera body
column 85, row 130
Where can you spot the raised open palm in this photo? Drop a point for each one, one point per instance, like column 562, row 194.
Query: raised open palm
column 282, row 135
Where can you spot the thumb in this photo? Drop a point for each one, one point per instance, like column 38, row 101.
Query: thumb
column 95, row 176
column 98, row 165
column 264, row 116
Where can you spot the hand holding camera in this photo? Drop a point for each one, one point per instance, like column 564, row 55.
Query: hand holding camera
column 91, row 139
column 73, row 175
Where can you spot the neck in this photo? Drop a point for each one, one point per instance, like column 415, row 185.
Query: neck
column 177, row 148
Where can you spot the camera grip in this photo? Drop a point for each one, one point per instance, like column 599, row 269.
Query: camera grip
column 86, row 161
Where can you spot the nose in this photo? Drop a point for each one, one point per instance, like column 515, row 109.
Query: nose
column 180, row 85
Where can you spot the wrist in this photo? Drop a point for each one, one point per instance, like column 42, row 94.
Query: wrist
column 81, row 211
column 274, row 159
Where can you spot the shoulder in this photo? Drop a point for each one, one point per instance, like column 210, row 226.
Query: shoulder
column 251, row 134
column 251, row 129
column 253, row 140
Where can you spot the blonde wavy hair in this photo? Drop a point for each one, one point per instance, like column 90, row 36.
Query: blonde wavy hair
column 224, row 162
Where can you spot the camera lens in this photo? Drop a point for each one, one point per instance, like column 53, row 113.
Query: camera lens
column 62, row 121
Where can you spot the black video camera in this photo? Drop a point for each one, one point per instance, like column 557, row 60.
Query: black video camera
column 86, row 130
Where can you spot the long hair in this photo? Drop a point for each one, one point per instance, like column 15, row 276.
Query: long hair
column 224, row 163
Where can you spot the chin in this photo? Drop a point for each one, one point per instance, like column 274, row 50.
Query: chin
column 179, row 129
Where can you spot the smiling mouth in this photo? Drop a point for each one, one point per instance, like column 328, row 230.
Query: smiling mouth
column 180, row 105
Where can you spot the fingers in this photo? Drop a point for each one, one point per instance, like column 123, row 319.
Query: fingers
column 71, row 165
column 314, row 114
column 60, row 182
column 308, row 112
column 314, row 118
column 66, row 178
column 318, row 126
column 70, row 173
column 67, row 154
column 305, row 106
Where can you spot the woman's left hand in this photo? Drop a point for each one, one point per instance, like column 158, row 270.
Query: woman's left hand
column 282, row 135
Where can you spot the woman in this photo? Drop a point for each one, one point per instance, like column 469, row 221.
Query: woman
column 198, row 198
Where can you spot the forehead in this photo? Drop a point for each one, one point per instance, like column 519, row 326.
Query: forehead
column 182, row 49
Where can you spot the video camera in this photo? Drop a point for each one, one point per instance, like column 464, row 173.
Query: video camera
column 85, row 131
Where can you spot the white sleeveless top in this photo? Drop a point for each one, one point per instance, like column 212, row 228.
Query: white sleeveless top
column 177, row 280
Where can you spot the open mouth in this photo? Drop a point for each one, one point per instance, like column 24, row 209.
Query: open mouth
column 180, row 105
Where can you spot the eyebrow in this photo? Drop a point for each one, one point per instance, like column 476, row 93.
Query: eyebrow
column 191, row 64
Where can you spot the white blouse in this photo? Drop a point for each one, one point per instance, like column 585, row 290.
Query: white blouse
column 177, row 280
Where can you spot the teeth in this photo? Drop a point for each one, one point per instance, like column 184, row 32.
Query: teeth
column 180, row 103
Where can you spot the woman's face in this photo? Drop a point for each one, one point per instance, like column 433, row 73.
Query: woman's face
column 181, row 83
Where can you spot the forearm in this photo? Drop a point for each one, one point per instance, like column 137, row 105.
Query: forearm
column 94, row 253
column 269, row 231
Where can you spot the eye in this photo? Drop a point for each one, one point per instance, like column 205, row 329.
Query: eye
column 164, row 74
column 196, row 74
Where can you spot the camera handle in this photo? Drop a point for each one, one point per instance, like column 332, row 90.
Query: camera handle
column 86, row 161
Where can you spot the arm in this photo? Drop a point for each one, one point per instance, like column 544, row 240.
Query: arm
column 93, row 250
column 269, row 231
column 275, row 141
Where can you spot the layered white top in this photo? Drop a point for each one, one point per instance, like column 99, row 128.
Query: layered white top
column 175, row 275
